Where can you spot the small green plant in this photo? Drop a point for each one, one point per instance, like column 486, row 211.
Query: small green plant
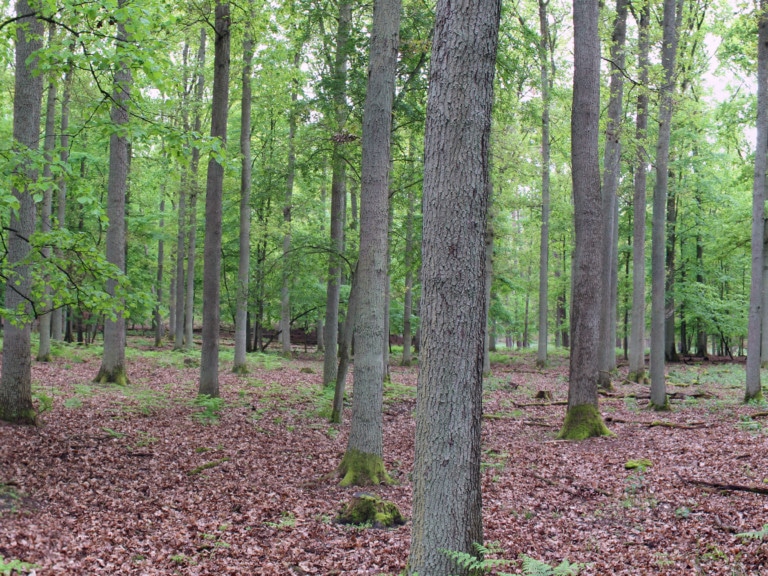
column 534, row 567
column 44, row 401
column 210, row 409
column 8, row 567
column 287, row 520
column 179, row 559
column 747, row 424
column 73, row 403
column 207, row 466
column 479, row 562
column 662, row 560
column 144, row 439
column 112, row 433
column 683, row 512
column 757, row 534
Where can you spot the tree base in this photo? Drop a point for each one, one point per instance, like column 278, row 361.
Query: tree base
column 756, row 397
column 43, row 357
column 26, row 416
column 116, row 376
column 661, row 407
column 241, row 369
column 361, row 469
column 639, row 377
column 604, row 381
column 540, row 364
column 370, row 510
column 582, row 422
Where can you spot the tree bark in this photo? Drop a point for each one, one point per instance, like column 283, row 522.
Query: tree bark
column 159, row 286
column 408, row 263
column 612, row 166
column 345, row 351
column 180, row 287
column 113, row 361
column 243, row 271
column 637, row 335
column 753, row 388
column 658, row 235
column 209, row 359
column 16, row 379
column 363, row 461
column 582, row 419
column 447, row 503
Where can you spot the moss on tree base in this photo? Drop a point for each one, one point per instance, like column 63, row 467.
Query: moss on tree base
column 116, row 376
column 604, row 381
column 661, row 407
column 361, row 469
column 370, row 510
column 240, row 369
column 640, row 377
column 756, row 398
column 26, row 416
column 582, row 422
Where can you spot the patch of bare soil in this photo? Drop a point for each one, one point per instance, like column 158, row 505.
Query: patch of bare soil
column 144, row 481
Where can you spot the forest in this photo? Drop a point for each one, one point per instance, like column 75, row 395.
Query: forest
column 389, row 288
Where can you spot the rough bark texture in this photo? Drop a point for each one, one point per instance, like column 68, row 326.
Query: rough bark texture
column 243, row 271
column 588, row 286
column 345, row 351
column 177, row 307
column 544, row 49
column 763, row 331
column 753, row 388
column 488, row 345
column 209, row 359
column 408, row 263
column 364, row 455
column 16, row 379
column 611, row 168
column 658, row 235
column 113, row 361
column 44, row 347
column 637, row 336
column 338, row 192
column 447, row 503
column 189, row 317
column 159, row 285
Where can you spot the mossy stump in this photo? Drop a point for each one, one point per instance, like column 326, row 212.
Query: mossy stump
column 370, row 510
column 361, row 469
column 582, row 422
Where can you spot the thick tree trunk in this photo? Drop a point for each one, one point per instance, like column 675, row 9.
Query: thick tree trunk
column 658, row 236
column 753, row 388
column 16, row 379
column 582, row 419
column 764, row 322
column 209, row 359
column 338, row 193
column 637, row 336
column 113, row 361
column 243, row 271
column 611, row 169
column 544, row 51
column 447, row 503
column 363, row 461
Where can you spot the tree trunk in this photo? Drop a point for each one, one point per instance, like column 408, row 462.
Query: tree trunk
column 612, row 166
column 16, row 380
column 338, row 193
column 387, row 283
column 408, row 263
column 189, row 307
column 670, row 345
column 243, row 271
column 178, row 312
column 209, row 359
column 44, row 347
column 363, row 461
column 544, row 51
column 113, row 361
column 582, row 419
column 159, row 287
column 488, row 285
column 447, row 503
column 637, row 336
column 345, row 351
column 754, row 389
column 658, row 236
column 764, row 321
column 285, row 292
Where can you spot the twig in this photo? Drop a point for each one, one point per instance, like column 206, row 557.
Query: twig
column 730, row 487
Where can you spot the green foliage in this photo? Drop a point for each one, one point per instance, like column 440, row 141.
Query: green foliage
column 640, row 464
column 533, row 567
column 210, row 408
column 8, row 567
column 480, row 562
column 207, row 466
column 582, row 422
column 287, row 520
column 756, row 534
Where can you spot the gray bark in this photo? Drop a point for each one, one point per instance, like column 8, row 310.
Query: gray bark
column 16, row 378
column 244, row 264
column 447, row 503
column 487, row 345
column 408, row 263
column 753, row 387
column 637, row 336
column 658, row 235
column 189, row 307
column 159, row 287
column 178, row 312
column 209, row 358
column 113, row 361
column 763, row 332
column 338, row 192
column 387, row 282
column 366, row 432
column 611, row 168
column 544, row 50
column 345, row 351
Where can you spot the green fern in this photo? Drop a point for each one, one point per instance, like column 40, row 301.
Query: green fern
column 758, row 534
column 533, row 567
column 479, row 563
column 8, row 567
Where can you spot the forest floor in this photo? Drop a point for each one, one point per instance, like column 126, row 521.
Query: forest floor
column 144, row 480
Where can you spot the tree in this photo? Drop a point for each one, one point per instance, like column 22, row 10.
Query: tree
column 446, row 474
column 363, row 461
column 209, row 360
column 658, row 235
column 243, row 274
column 16, row 379
column 637, row 337
column 113, row 361
column 582, row 418
column 754, row 389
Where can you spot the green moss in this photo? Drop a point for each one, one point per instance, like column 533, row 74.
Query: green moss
column 240, row 369
column 582, row 422
column 756, row 398
column 116, row 376
column 641, row 463
column 361, row 469
column 22, row 416
column 206, row 466
column 370, row 510
column 663, row 407
column 640, row 377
